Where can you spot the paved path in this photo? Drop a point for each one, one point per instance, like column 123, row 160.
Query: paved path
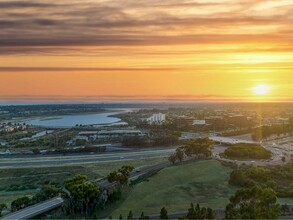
column 35, row 210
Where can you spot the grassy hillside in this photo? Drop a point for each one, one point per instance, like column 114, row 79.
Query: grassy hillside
column 204, row 182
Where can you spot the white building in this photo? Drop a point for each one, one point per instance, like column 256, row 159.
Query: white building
column 199, row 122
column 157, row 119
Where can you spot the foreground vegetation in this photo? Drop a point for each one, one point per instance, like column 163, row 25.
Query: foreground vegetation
column 279, row 177
column 257, row 202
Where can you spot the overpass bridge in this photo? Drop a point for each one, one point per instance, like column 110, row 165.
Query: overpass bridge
column 230, row 140
column 35, row 210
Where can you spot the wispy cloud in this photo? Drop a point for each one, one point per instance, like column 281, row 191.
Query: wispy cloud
column 49, row 69
column 46, row 23
column 84, row 49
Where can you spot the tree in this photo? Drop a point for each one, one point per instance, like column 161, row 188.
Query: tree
column 284, row 159
column 47, row 192
column 191, row 212
column 2, row 206
column 210, row 214
column 164, row 213
column 253, row 203
column 142, row 216
column 20, row 203
column 36, row 151
column 130, row 215
column 285, row 209
column 121, row 176
column 197, row 212
column 172, row 159
column 197, row 147
column 179, row 154
column 203, row 213
column 83, row 193
column 120, row 217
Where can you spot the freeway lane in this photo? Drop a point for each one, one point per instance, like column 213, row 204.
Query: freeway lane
column 35, row 210
column 90, row 158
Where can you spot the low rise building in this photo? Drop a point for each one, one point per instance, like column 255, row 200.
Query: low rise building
column 184, row 121
column 118, row 134
column 3, row 143
column 81, row 138
column 199, row 124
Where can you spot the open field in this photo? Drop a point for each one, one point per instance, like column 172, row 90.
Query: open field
column 8, row 197
column 17, row 182
column 204, row 182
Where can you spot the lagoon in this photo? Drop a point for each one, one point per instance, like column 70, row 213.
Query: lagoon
column 73, row 120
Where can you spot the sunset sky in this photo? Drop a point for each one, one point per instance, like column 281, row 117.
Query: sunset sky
column 146, row 50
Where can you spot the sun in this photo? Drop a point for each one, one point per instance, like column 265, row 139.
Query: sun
column 261, row 89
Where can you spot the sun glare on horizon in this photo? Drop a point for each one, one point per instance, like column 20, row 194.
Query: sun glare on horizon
column 261, row 89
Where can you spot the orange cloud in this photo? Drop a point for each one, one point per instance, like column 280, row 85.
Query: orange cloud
column 145, row 50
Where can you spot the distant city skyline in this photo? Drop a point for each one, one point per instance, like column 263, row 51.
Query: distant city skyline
column 145, row 51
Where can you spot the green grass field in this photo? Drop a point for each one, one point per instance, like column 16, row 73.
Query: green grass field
column 204, row 182
column 8, row 197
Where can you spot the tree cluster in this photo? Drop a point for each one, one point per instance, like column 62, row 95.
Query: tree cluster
column 83, row 194
column 247, row 151
column 253, row 203
column 120, row 176
column 47, row 192
column 193, row 213
column 265, row 132
column 130, row 216
column 199, row 213
column 198, row 148
column 21, row 203
column 278, row 177
column 39, row 142
column 2, row 207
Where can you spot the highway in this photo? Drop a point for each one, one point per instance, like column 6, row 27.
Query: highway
column 91, row 158
column 35, row 210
